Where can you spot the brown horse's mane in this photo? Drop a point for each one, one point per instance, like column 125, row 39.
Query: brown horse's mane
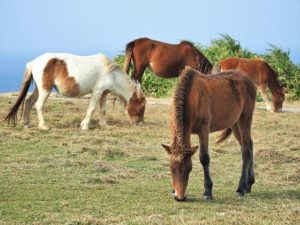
column 178, row 110
column 204, row 65
column 276, row 83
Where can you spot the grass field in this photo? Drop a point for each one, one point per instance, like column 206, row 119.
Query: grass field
column 119, row 174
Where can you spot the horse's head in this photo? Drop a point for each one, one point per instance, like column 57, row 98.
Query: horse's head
column 278, row 99
column 136, row 106
column 180, row 166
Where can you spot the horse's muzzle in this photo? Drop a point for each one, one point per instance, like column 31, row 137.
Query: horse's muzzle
column 182, row 199
column 178, row 199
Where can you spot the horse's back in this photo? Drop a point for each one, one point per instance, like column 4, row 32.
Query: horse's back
column 221, row 98
column 61, row 69
column 256, row 69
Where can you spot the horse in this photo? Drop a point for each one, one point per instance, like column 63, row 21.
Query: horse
column 202, row 104
column 75, row 76
column 165, row 60
column 261, row 73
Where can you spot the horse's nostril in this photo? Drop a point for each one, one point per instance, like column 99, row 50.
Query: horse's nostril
column 180, row 199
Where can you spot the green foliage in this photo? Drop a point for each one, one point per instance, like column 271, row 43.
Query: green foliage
column 224, row 47
column 289, row 73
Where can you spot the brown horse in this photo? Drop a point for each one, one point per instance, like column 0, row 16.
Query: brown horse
column 165, row 60
column 261, row 74
column 204, row 104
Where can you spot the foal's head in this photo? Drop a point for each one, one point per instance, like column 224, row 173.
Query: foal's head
column 278, row 99
column 136, row 106
column 180, row 166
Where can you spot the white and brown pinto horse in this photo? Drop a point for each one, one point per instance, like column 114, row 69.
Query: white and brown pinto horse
column 75, row 76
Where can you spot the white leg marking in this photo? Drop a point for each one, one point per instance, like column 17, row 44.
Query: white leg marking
column 91, row 109
column 39, row 109
column 103, row 118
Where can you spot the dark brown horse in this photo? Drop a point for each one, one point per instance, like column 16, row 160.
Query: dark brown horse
column 165, row 60
column 204, row 104
column 261, row 74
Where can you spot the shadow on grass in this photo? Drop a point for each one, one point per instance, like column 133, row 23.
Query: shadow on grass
column 276, row 194
column 261, row 195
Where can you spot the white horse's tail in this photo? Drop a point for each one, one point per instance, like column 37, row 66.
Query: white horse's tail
column 13, row 112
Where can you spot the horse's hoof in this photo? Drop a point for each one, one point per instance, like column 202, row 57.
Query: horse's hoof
column 207, row 198
column 26, row 126
column 141, row 123
column 103, row 123
column 240, row 195
column 43, row 127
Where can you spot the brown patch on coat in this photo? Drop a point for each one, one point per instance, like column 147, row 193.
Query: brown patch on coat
column 56, row 74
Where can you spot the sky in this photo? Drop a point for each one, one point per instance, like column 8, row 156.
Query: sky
column 32, row 27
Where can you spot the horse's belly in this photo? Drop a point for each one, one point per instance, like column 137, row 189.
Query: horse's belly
column 221, row 121
column 74, row 86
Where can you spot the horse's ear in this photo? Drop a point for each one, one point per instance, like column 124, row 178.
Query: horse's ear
column 193, row 151
column 139, row 90
column 143, row 100
column 134, row 97
column 167, row 148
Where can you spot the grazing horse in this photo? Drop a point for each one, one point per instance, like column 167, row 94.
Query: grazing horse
column 74, row 76
column 203, row 104
column 261, row 74
column 165, row 60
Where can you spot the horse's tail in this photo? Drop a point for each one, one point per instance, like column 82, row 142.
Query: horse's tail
column 13, row 112
column 216, row 68
column 128, row 56
column 225, row 134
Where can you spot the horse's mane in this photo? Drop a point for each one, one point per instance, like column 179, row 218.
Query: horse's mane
column 204, row 65
column 276, row 80
column 112, row 65
column 178, row 117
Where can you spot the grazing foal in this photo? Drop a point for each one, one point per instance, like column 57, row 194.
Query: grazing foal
column 74, row 76
column 204, row 104
column 165, row 60
column 260, row 72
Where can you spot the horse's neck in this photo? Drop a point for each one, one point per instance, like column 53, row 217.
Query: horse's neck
column 273, row 83
column 181, row 138
column 206, row 67
column 123, row 86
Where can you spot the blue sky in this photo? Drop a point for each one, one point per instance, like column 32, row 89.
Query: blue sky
column 29, row 28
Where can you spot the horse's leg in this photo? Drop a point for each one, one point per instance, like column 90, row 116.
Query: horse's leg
column 43, row 95
column 244, row 128
column 91, row 109
column 204, row 159
column 138, row 72
column 263, row 91
column 28, row 105
column 236, row 133
column 251, row 177
column 102, row 103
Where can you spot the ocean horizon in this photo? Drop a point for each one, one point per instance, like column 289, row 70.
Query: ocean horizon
column 12, row 68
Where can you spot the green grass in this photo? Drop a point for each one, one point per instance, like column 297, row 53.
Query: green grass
column 119, row 174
